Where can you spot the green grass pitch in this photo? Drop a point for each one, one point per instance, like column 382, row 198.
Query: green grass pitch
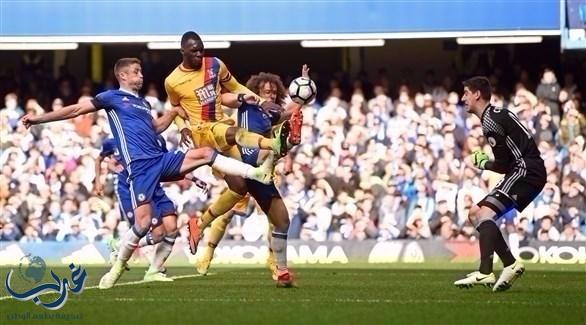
column 326, row 295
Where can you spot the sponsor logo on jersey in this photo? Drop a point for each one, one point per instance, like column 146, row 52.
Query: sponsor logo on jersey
column 206, row 94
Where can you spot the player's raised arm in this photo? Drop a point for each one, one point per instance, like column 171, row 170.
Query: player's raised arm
column 65, row 113
column 236, row 100
column 163, row 122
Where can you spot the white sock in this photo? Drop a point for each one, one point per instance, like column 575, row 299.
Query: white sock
column 162, row 253
column 231, row 166
column 128, row 245
column 279, row 246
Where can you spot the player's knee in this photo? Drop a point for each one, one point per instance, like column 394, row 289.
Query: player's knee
column 140, row 230
column 473, row 215
column 238, row 134
column 231, row 134
column 282, row 225
column 203, row 153
column 157, row 234
column 172, row 233
column 171, row 228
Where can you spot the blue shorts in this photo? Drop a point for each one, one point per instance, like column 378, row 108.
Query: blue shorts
column 122, row 189
column 146, row 174
column 162, row 205
column 262, row 193
column 259, row 191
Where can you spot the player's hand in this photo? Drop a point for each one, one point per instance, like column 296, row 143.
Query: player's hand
column 186, row 137
column 28, row 120
column 479, row 159
column 180, row 112
column 270, row 106
column 305, row 71
column 251, row 99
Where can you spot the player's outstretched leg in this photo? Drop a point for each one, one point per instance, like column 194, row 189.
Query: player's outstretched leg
column 253, row 140
column 195, row 158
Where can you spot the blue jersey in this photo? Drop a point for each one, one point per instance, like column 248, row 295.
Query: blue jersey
column 109, row 147
column 131, row 123
column 254, row 119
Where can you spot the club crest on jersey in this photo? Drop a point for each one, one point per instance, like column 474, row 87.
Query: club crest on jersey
column 141, row 197
column 211, row 74
column 154, row 221
column 491, row 141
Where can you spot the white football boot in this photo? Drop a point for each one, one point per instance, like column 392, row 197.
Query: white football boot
column 509, row 275
column 476, row 278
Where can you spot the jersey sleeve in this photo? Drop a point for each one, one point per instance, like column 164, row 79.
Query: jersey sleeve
column 101, row 101
column 227, row 81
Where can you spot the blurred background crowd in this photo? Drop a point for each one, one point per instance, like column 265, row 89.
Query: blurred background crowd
column 377, row 161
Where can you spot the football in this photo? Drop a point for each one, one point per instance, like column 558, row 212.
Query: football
column 302, row 90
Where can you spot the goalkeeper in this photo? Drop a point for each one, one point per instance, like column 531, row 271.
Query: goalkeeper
column 516, row 155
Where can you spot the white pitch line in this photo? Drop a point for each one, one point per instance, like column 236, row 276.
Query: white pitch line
column 345, row 301
column 125, row 283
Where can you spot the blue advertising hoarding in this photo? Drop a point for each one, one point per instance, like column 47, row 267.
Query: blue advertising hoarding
column 229, row 19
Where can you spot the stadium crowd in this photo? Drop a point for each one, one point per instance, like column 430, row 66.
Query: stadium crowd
column 380, row 165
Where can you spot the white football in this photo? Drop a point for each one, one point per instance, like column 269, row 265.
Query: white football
column 302, row 90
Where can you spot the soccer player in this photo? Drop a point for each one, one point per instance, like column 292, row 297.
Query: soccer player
column 516, row 155
column 196, row 85
column 163, row 226
column 256, row 119
column 135, row 132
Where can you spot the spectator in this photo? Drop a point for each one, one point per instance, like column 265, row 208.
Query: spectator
column 547, row 231
column 75, row 233
column 378, row 167
column 30, row 236
column 549, row 90
column 12, row 110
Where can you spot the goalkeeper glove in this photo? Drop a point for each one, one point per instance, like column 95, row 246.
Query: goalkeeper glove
column 479, row 158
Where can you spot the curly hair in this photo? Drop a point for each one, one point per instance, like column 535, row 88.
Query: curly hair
column 257, row 81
